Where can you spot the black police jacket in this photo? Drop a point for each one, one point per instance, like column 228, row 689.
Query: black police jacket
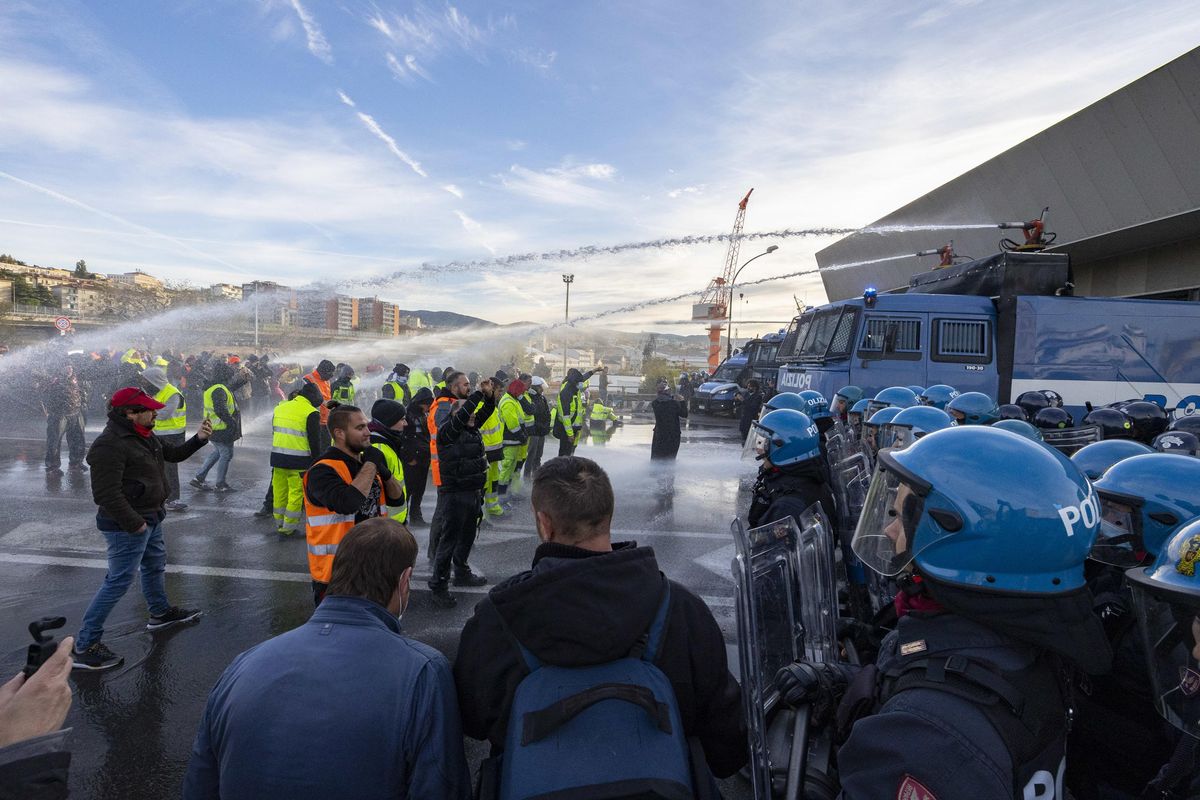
column 782, row 492
column 577, row 607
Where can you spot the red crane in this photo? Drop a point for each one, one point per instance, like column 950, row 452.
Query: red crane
column 714, row 303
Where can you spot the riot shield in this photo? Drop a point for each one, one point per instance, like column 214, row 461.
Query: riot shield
column 786, row 610
column 1070, row 440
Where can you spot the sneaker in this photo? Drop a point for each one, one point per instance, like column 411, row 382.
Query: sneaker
column 469, row 578
column 417, row 519
column 199, row 484
column 172, row 616
column 264, row 512
column 78, row 468
column 442, row 597
column 223, row 488
column 176, row 505
column 95, row 658
column 286, row 531
column 494, row 511
column 54, row 471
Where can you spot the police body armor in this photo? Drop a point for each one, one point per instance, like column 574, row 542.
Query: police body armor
column 1028, row 708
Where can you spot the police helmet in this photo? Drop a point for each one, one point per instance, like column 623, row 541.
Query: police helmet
column 917, row 390
column 1112, row 423
column 1166, row 600
column 898, row 396
column 973, row 408
column 871, row 427
column 1143, row 499
column 1052, row 397
column 1148, row 419
column 786, row 437
column 785, row 400
column 1187, row 422
column 1179, row 442
column 1032, row 402
column 1019, row 427
column 979, row 508
column 938, row 395
column 817, row 405
column 1053, row 418
column 1094, row 459
column 1011, row 411
column 845, row 397
column 913, row 423
column 854, row 416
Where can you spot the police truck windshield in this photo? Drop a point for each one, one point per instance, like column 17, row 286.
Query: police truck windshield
column 822, row 335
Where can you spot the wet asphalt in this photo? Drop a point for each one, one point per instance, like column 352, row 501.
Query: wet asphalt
column 132, row 728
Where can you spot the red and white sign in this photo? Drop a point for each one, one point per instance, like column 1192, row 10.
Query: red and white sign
column 62, row 323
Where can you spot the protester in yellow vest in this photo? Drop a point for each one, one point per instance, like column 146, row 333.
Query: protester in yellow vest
column 221, row 410
column 514, row 435
column 492, row 433
column 295, row 444
column 388, row 422
column 399, row 385
column 170, row 425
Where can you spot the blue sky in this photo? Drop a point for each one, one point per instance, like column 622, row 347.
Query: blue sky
column 308, row 140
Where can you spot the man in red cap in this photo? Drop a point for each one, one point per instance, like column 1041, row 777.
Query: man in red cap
column 129, row 484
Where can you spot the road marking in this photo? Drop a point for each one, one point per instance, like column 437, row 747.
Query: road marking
column 718, row 561
column 252, row 574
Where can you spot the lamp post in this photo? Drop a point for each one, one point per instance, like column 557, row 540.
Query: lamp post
column 729, row 320
column 568, row 280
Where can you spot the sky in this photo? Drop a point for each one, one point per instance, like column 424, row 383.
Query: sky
column 369, row 144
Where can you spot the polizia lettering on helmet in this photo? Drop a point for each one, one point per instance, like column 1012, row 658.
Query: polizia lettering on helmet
column 1087, row 512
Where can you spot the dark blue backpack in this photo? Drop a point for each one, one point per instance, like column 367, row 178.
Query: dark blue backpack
column 604, row 731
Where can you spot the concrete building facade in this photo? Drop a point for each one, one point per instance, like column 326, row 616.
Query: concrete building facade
column 1121, row 179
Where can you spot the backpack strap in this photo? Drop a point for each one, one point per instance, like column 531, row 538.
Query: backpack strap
column 537, row 725
column 647, row 645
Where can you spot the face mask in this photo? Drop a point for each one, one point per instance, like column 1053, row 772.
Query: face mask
column 402, row 380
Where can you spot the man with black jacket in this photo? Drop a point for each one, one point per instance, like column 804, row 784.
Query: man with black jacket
column 130, row 486
column 414, row 452
column 588, row 601
column 541, row 426
column 463, row 470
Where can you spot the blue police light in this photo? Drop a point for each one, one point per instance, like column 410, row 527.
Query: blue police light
column 869, row 296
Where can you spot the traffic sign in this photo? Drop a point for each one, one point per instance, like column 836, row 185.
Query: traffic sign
column 62, row 323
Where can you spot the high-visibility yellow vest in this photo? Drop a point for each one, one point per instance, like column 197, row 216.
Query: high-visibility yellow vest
column 400, row 392
column 324, row 528
column 289, row 427
column 210, row 412
column 602, row 412
column 510, row 415
column 492, row 432
column 397, row 512
column 572, row 420
column 177, row 422
column 344, row 393
column 419, row 379
column 527, row 421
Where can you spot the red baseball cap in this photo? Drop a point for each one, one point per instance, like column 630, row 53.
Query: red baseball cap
column 130, row 396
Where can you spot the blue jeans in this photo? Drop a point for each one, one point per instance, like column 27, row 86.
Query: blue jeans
column 126, row 553
column 220, row 454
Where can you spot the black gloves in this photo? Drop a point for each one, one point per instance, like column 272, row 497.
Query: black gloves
column 376, row 457
column 819, row 685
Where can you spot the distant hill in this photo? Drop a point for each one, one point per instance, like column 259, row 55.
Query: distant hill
column 448, row 319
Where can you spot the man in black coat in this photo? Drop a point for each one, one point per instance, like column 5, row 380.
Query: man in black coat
column 587, row 601
column 752, row 401
column 130, row 486
column 415, row 452
column 668, row 410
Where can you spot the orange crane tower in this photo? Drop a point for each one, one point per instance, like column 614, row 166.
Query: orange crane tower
column 713, row 307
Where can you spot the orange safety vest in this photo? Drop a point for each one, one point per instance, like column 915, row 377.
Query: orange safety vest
column 323, row 387
column 431, row 423
column 324, row 528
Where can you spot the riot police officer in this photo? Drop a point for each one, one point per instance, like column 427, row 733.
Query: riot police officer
column 792, row 476
column 987, row 533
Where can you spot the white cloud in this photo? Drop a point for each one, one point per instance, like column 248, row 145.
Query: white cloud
column 318, row 45
column 516, row 144
column 383, row 136
column 454, row 190
column 407, row 70
column 538, row 59
column 410, row 61
column 685, row 190
column 567, row 185
column 345, row 98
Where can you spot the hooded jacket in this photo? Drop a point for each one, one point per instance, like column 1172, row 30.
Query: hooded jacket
column 577, row 607
column 782, row 492
column 129, row 479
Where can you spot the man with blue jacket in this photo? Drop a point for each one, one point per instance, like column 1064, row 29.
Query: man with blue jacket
column 345, row 705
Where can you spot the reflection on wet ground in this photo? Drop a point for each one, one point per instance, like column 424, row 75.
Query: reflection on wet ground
column 133, row 727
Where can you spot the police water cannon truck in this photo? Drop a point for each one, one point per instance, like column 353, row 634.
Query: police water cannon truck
column 757, row 360
column 1000, row 325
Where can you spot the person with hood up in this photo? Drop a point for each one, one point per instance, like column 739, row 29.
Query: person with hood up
column 388, row 421
column 321, row 377
column 668, row 410
column 540, row 409
column 170, row 426
column 342, row 388
column 396, row 386
column 569, row 410
column 515, row 436
column 415, row 452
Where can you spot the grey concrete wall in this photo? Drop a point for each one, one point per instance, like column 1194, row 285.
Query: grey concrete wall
column 1129, row 160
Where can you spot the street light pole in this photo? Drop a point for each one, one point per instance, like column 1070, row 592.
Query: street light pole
column 568, row 280
column 729, row 312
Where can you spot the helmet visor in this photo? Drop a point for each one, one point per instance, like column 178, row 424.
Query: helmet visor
column 1119, row 541
column 1171, row 631
column 896, row 437
column 756, row 445
column 883, row 539
column 872, row 407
